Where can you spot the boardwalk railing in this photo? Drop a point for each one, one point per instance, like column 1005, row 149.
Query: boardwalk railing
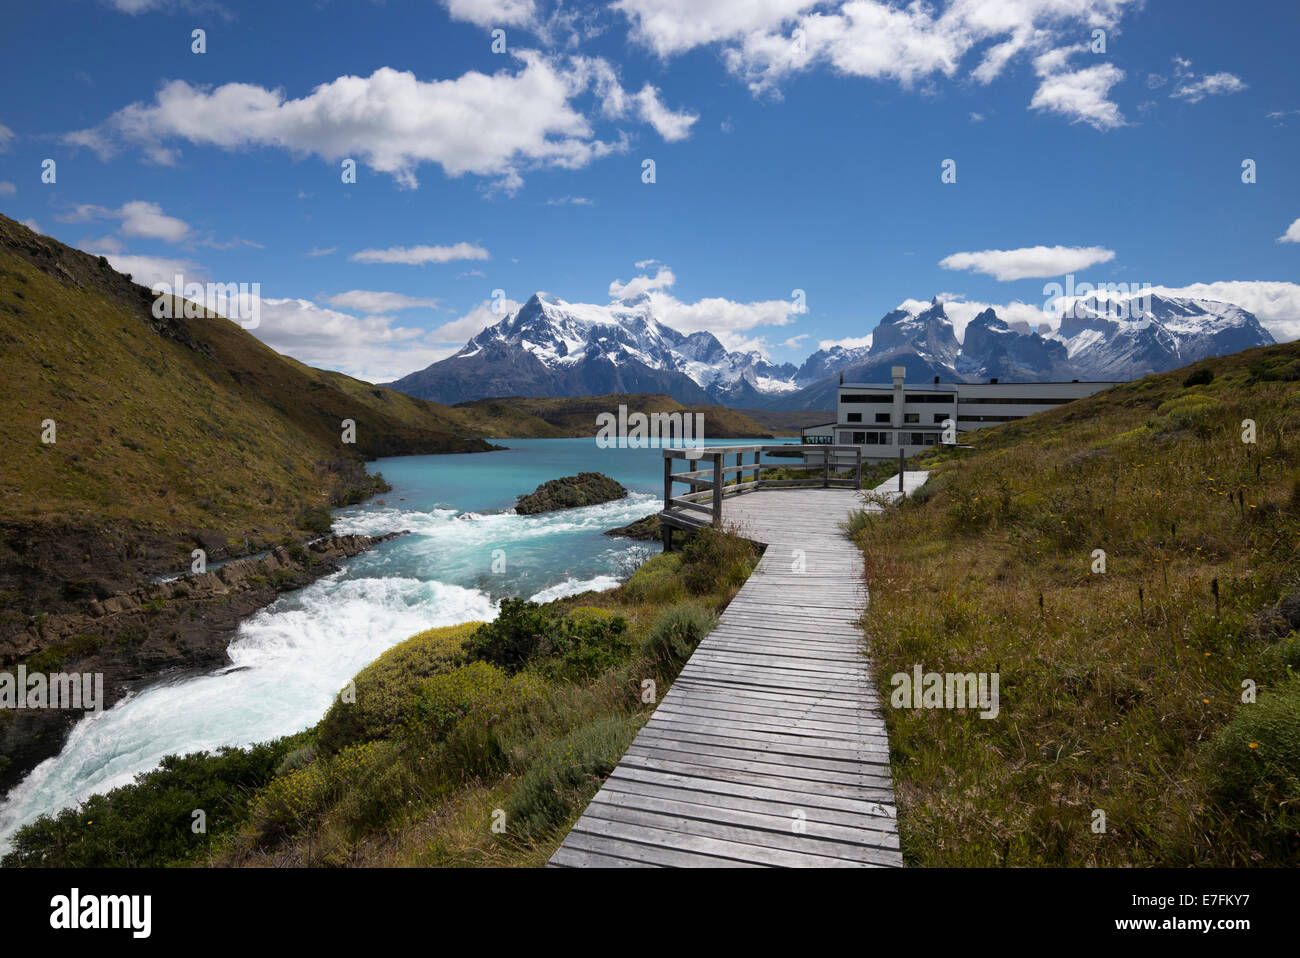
column 721, row 471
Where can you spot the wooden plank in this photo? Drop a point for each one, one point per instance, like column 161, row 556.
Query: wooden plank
column 776, row 712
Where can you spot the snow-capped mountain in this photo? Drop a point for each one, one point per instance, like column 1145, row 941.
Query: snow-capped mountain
column 1149, row 335
column 553, row 348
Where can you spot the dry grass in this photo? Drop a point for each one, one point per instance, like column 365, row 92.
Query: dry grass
column 1111, row 684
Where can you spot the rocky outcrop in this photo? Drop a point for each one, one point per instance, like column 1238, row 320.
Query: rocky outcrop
column 584, row 489
column 647, row 528
column 135, row 636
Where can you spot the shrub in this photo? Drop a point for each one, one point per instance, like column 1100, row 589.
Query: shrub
column 713, row 560
column 1254, row 761
column 675, row 633
column 316, row 520
column 387, row 688
column 857, row 522
column 565, row 777
column 479, row 690
column 587, row 642
column 296, row 801
column 657, row 581
column 1201, row 377
column 148, row 823
column 511, row 639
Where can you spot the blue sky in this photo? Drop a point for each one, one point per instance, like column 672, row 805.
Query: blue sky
column 797, row 146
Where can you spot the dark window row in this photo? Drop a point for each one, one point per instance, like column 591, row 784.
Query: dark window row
column 1015, row 402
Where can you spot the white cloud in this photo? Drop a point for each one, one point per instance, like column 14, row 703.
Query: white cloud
column 663, row 279
column 416, row 255
column 147, row 270
column 725, row 318
column 6, row 135
column 137, row 218
column 1215, row 84
column 369, row 348
column 493, row 13
column 7, row 188
column 670, row 125
column 569, row 201
column 31, row 225
column 764, row 41
column 140, row 218
column 848, row 342
column 1292, row 234
column 499, row 125
column 376, row 301
column 317, row 251
column 474, row 322
column 1029, row 262
column 1081, row 96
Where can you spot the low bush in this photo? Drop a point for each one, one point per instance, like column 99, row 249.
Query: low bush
column 478, row 691
column 675, row 633
column 149, row 823
column 713, row 560
column 1253, row 765
column 560, row 782
column 658, row 580
column 385, row 691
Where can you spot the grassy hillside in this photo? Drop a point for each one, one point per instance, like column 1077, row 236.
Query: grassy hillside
column 545, row 418
column 173, row 425
column 1121, row 691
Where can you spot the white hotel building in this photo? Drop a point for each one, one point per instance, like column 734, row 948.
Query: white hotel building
column 885, row 419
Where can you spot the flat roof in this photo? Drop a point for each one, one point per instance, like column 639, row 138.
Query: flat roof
column 954, row 386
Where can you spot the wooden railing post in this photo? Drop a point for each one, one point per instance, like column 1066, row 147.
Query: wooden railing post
column 668, row 481
column 717, row 490
column 826, row 467
column 857, row 484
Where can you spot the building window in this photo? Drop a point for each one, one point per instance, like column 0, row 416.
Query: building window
column 855, row 417
column 859, row 438
column 860, row 397
column 882, row 417
column 917, row 439
column 911, row 417
column 941, row 416
column 929, row 397
column 1013, row 401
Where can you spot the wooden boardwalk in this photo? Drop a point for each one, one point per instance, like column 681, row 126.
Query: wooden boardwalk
column 769, row 749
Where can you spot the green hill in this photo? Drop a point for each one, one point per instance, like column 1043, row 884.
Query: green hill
column 169, row 432
column 1124, row 693
column 521, row 417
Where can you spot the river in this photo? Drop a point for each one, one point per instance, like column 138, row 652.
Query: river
column 466, row 551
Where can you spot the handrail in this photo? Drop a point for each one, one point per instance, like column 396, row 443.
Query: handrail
column 710, row 485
